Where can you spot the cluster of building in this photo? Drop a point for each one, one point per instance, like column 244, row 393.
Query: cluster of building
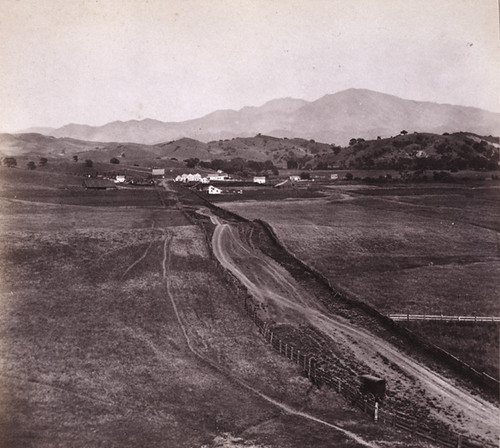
column 212, row 177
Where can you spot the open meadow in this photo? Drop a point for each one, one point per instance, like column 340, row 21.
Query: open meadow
column 118, row 328
column 418, row 249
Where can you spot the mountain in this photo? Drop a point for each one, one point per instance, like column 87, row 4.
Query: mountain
column 334, row 118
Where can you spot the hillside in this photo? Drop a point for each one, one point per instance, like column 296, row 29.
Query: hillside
column 334, row 118
column 417, row 151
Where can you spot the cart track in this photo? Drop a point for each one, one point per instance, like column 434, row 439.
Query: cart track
column 248, row 264
column 200, row 356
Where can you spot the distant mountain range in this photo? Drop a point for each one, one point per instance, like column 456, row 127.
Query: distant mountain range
column 335, row 118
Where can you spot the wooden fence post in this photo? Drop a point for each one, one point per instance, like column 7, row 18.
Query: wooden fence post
column 459, row 441
column 375, row 412
column 280, row 346
column 298, row 357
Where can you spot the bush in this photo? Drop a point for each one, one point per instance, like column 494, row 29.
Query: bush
column 9, row 162
column 114, row 160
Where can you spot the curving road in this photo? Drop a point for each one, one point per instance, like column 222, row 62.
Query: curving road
column 286, row 301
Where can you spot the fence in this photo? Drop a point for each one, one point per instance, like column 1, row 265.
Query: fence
column 490, row 385
column 442, row 318
column 349, row 389
column 335, row 378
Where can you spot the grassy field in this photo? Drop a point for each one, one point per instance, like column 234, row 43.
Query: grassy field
column 92, row 353
column 417, row 249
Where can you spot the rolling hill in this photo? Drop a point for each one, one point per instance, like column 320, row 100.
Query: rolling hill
column 405, row 151
column 333, row 118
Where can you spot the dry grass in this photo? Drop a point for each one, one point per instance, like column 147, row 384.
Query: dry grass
column 92, row 358
column 416, row 249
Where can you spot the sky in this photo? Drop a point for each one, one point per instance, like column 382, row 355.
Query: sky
column 96, row 61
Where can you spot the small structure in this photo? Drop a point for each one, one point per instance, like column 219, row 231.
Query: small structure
column 119, row 179
column 334, row 176
column 217, row 176
column 188, row 178
column 98, row 184
column 158, row 172
column 214, row 190
column 295, row 178
column 259, row 180
column 370, row 384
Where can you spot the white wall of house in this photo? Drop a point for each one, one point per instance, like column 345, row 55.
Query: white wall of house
column 214, row 190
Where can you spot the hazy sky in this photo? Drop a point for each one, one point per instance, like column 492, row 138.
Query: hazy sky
column 95, row 61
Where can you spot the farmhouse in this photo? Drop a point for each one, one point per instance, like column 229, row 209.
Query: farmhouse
column 295, row 178
column 334, row 176
column 98, row 184
column 214, row 190
column 259, row 180
column 217, row 176
column 188, row 178
column 158, row 171
column 119, row 179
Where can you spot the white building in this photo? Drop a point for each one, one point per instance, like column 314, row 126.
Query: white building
column 158, row 171
column 259, row 180
column 189, row 178
column 334, row 176
column 217, row 176
column 214, row 190
column 295, row 178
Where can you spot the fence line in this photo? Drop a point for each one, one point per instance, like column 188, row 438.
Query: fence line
column 442, row 318
column 349, row 389
column 481, row 378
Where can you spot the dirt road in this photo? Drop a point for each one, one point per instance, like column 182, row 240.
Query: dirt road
column 287, row 302
column 226, row 372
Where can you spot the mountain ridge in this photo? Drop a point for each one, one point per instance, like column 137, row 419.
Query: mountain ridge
column 334, row 118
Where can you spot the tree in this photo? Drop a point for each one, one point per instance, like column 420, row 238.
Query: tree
column 353, row 141
column 89, row 163
column 9, row 162
column 43, row 161
column 75, row 158
column 403, row 132
column 192, row 162
column 114, row 160
column 305, row 175
column 349, row 176
column 31, row 165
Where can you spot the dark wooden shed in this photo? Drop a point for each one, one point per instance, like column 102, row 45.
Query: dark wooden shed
column 370, row 384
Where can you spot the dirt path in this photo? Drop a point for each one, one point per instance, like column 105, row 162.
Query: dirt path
column 274, row 287
column 283, row 406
